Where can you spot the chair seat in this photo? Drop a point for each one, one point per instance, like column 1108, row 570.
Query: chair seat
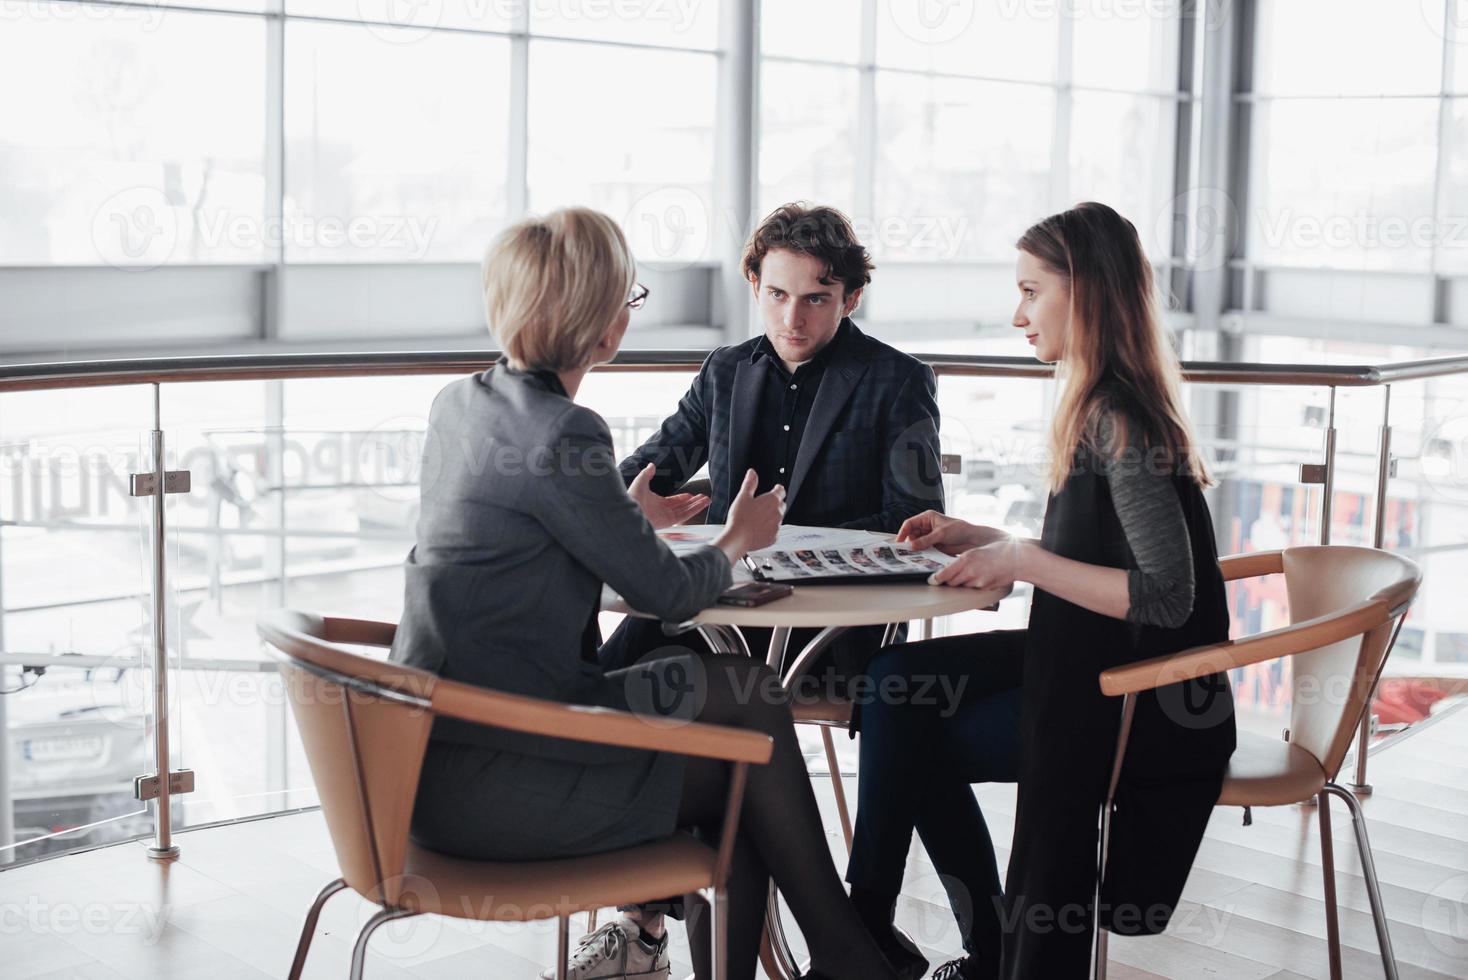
column 1270, row 772
column 530, row 890
column 823, row 710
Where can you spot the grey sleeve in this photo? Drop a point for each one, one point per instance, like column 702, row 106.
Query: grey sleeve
column 1161, row 586
column 583, row 503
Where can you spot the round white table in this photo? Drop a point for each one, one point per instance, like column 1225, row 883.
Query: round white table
column 832, row 609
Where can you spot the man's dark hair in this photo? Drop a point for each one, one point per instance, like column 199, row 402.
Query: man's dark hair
column 822, row 232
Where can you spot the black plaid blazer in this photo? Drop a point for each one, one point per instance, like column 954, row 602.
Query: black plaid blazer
column 869, row 455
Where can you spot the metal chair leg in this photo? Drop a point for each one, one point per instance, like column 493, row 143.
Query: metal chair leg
column 563, row 946
column 718, row 900
column 788, row 967
column 1368, row 871
column 837, row 785
column 359, row 951
column 308, row 930
column 1327, row 865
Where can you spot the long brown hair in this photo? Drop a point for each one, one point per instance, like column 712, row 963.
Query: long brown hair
column 1117, row 356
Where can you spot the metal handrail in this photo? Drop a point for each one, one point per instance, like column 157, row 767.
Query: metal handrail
column 285, row 366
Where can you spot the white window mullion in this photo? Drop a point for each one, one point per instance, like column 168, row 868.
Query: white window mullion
column 1442, row 173
column 865, row 204
column 274, row 207
column 1060, row 141
column 517, row 182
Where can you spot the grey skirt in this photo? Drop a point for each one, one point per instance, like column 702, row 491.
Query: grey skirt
column 488, row 804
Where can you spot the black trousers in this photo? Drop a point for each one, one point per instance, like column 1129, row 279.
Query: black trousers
column 944, row 714
column 847, row 657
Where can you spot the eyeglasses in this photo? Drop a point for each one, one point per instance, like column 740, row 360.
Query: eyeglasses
column 637, row 297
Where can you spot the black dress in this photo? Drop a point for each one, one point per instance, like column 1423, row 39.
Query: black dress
column 1182, row 738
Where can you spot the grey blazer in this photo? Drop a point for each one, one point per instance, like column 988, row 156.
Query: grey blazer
column 523, row 517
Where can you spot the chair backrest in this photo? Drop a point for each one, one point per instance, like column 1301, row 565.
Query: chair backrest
column 364, row 724
column 1332, row 684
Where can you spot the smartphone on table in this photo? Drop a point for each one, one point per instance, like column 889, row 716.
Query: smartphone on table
column 754, row 594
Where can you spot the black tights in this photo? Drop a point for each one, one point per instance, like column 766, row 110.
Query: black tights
column 780, row 835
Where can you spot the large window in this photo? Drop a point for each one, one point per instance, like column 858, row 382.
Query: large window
column 945, row 130
column 115, row 149
column 307, row 170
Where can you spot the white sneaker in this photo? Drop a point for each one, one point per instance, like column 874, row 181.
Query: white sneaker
column 616, row 952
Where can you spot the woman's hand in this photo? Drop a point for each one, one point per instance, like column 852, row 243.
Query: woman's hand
column 753, row 521
column 662, row 511
column 992, row 566
column 950, row 535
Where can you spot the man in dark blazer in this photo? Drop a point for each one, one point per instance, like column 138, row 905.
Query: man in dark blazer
column 847, row 424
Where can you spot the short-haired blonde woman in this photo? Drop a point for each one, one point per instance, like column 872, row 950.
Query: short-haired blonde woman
column 523, row 518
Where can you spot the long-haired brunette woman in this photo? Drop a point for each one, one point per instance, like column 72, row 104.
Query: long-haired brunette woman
column 1126, row 568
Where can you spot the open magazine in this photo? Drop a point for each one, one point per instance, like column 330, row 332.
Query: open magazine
column 822, row 556
column 879, row 561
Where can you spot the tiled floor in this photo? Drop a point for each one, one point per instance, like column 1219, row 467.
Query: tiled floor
column 233, row 903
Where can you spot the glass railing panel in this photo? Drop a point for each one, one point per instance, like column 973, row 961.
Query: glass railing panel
column 1255, row 440
column 1426, row 519
column 75, row 620
column 998, row 430
column 230, row 718
column 305, row 496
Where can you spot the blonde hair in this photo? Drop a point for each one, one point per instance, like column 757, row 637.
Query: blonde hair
column 1117, row 357
column 552, row 286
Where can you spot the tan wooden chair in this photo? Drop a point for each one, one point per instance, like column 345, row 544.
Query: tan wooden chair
column 365, row 724
column 1346, row 605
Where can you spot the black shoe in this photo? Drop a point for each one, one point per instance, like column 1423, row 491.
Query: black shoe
column 963, row 968
column 902, row 954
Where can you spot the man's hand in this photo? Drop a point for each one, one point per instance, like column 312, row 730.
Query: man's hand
column 950, row 535
column 664, row 512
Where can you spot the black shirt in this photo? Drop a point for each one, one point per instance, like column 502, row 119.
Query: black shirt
column 782, row 412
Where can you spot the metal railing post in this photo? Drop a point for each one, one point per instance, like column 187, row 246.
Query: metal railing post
column 1378, row 537
column 163, row 848
column 7, row 807
column 164, row 782
column 1328, row 485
